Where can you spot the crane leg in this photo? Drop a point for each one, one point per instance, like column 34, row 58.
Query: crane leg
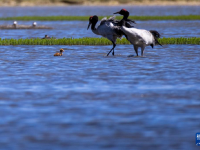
column 136, row 50
column 142, row 50
column 113, row 53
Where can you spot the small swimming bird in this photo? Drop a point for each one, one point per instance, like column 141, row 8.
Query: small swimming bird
column 125, row 14
column 15, row 24
column 46, row 37
column 140, row 38
column 59, row 53
column 34, row 24
column 107, row 29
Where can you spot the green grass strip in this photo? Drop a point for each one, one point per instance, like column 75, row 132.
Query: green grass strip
column 86, row 18
column 92, row 41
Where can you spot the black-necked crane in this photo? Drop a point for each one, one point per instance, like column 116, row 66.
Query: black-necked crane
column 140, row 38
column 125, row 15
column 107, row 29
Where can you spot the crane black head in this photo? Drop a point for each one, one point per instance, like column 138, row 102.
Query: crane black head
column 92, row 20
column 123, row 12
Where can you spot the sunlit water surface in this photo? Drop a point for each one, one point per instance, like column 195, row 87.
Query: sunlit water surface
column 87, row 100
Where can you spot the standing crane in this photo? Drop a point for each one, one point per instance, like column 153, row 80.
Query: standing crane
column 140, row 38
column 107, row 29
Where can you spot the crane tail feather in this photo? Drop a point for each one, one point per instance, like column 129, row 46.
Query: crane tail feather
column 156, row 36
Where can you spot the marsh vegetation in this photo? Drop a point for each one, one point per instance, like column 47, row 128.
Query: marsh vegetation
column 85, row 18
column 91, row 41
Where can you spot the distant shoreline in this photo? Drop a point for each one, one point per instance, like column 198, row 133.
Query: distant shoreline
column 110, row 3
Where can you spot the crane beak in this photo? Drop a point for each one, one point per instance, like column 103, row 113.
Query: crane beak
column 116, row 12
column 89, row 25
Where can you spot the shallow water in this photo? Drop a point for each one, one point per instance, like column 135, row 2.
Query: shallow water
column 85, row 99
column 78, row 29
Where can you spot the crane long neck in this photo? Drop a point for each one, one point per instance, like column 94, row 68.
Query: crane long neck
column 126, row 16
column 123, row 22
column 93, row 26
column 94, row 29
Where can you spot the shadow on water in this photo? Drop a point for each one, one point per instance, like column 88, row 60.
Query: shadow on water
column 113, row 102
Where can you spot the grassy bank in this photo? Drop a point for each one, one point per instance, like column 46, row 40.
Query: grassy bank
column 91, row 41
column 86, row 18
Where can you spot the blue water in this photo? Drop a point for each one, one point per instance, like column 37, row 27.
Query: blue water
column 86, row 100
column 99, row 10
column 69, row 28
column 78, row 29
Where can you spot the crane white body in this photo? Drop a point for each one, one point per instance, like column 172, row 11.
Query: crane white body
column 139, row 38
column 108, row 30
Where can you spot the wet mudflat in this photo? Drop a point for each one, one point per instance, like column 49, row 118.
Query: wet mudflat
column 85, row 99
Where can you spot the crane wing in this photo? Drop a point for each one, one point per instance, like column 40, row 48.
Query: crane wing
column 108, row 28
